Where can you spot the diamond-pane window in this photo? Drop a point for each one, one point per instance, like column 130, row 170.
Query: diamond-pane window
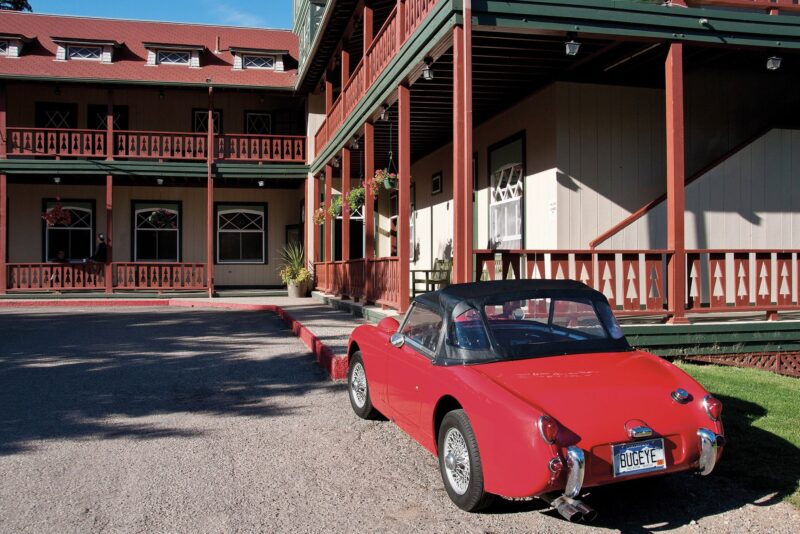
column 505, row 207
column 258, row 62
column 200, row 121
column 258, row 123
column 86, row 53
column 3, row 48
column 240, row 235
column 56, row 118
column 173, row 57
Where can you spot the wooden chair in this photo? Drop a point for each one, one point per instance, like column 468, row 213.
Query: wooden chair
column 431, row 279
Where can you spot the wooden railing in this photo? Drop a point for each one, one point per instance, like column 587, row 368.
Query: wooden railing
column 159, row 276
column 131, row 144
column 375, row 280
column 54, row 142
column 91, row 276
column 395, row 31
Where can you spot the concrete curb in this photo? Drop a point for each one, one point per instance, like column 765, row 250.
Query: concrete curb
column 335, row 365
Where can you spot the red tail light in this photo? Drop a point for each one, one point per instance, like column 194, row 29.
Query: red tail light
column 713, row 407
column 548, row 428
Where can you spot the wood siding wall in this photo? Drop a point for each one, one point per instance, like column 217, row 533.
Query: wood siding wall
column 283, row 207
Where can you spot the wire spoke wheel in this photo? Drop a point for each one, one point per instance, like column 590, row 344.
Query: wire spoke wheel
column 456, row 458
column 358, row 385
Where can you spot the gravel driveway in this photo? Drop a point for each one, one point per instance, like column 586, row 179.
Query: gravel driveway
column 191, row 420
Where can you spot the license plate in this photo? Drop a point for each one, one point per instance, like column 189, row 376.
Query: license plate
column 639, row 457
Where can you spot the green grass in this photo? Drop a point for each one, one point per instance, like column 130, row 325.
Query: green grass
column 761, row 415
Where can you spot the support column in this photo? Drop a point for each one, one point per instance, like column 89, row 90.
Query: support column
column 210, row 195
column 367, row 41
column 3, row 231
column 327, row 235
column 345, row 208
column 328, row 97
column 401, row 23
column 109, row 272
column 110, row 125
column 462, row 151
column 676, row 180
column 369, row 205
column 404, row 193
column 345, row 67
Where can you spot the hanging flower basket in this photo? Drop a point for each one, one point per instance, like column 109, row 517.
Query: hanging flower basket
column 335, row 209
column 57, row 215
column 319, row 216
column 161, row 218
column 384, row 178
column 355, row 198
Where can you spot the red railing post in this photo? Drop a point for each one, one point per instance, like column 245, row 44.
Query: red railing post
column 210, row 195
column 369, row 206
column 401, row 24
column 404, row 194
column 676, row 271
column 345, row 205
column 327, row 232
column 3, row 232
column 368, row 21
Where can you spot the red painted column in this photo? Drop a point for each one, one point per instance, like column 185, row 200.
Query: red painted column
column 210, row 196
column 328, row 233
column 462, row 153
column 676, row 179
column 328, row 97
column 404, row 193
column 345, row 67
column 369, row 206
column 345, row 208
column 401, row 23
column 3, row 231
column 109, row 233
column 110, row 125
column 367, row 41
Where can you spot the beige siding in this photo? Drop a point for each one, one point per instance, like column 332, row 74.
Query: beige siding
column 283, row 208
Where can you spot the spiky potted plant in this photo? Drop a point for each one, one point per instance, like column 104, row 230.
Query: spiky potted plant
column 294, row 272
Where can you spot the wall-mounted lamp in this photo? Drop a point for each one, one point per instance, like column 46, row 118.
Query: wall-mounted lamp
column 160, row 181
column 57, row 179
column 384, row 116
column 57, row 91
column 161, row 94
column 261, row 183
column 335, row 163
column 572, row 47
column 773, row 63
column 427, row 72
column 354, row 144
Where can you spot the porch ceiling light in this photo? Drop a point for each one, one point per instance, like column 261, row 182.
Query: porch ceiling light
column 572, row 47
column 335, row 163
column 427, row 72
column 261, row 183
column 160, row 181
column 57, row 179
column 354, row 144
column 773, row 63
column 384, row 116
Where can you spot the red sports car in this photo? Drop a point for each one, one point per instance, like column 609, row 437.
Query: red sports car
column 529, row 388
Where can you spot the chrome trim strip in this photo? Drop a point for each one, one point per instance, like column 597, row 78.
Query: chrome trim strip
column 541, row 430
column 708, row 451
column 576, row 466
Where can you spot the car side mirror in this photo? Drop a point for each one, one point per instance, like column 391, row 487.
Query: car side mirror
column 397, row 340
column 389, row 325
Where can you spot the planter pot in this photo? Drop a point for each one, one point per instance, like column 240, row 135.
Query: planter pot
column 297, row 291
column 389, row 184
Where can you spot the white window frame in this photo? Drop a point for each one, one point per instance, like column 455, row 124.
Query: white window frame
column 73, row 209
column 163, row 52
column 77, row 47
column 168, row 207
column 260, row 212
column 263, row 57
column 507, row 193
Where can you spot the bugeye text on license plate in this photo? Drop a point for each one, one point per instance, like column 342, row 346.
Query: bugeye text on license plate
column 639, row 457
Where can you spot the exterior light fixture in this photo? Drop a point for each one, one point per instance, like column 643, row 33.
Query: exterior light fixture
column 427, row 72
column 335, row 163
column 354, row 144
column 384, row 116
column 572, row 47
column 57, row 179
column 261, row 183
column 161, row 94
column 160, row 181
column 57, row 91
column 774, row 63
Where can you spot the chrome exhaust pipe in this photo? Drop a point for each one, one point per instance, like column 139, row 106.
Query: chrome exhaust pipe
column 588, row 514
column 569, row 512
column 570, row 509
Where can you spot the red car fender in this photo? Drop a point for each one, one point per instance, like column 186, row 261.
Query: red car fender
column 371, row 342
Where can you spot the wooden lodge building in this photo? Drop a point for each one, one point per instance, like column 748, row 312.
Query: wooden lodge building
column 651, row 151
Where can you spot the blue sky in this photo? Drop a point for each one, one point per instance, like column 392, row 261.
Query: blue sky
column 258, row 13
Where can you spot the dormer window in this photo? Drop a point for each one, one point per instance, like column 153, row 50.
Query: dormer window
column 11, row 44
column 259, row 59
column 173, row 54
column 3, row 48
column 71, row 49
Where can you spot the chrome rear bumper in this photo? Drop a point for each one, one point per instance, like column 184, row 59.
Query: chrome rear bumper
column 576, row 467
column 709, row 443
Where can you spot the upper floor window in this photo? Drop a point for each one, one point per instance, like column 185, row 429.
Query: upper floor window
column 173, row 57
column 3, row 48
column 88, row 53
column 258, row 62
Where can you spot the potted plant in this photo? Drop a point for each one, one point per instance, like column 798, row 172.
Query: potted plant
column 335, row 209
column 355, row 198
column 57, row 215
column 294, row 272
column 385, row 178
column 161, row 218
column 319, row 216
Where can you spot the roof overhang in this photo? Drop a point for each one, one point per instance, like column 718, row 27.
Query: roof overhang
column 258, row 51
column 81, row 41
column 174, row 46
column 16, row 37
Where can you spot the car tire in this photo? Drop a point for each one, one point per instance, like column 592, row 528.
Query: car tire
column 358, row 389
column 460, row 463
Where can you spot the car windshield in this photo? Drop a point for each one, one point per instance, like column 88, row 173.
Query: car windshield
column 542, row 326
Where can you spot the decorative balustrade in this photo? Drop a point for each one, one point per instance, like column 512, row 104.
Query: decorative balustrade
column 266, row 148
column 54, row 142
column 375, row 280
column 160, row 145
column 91, row 276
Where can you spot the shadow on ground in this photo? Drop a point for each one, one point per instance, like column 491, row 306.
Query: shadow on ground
column 668, row 502
column 75, row 373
